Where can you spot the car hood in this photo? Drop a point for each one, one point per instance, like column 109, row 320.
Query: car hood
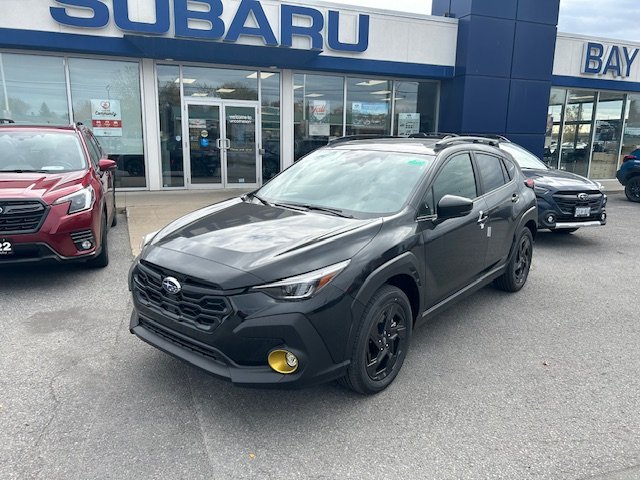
column 44, row 186
column 243, row 244
column 560, row 180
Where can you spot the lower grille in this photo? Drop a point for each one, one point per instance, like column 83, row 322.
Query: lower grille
column 82, row 236
column 21, row 216
column 194, row 303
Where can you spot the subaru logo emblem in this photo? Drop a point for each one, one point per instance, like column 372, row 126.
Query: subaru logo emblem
column 171, row 285
column 583, row 196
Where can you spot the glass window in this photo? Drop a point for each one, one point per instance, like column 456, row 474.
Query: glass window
column 318, row 109
column 40, row 152
column 415, row 107
column 270, row 96
column 94, row 152
column 608, row 134
column 491, row 172
column 368, row 106
column 455, row 178
column 576, row 138
column 201, row 82
column 554, row 122
column 106, row 96
column 170, row 126
column 33, row 89
column 631, row 138
column 524, row 158
column 360, row 182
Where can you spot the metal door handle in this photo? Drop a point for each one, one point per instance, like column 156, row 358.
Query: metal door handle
column 219, row 143
column 227, row 143
column 482, row 218
column 515, row 197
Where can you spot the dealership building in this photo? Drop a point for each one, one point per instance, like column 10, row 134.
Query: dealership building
column 188, row 94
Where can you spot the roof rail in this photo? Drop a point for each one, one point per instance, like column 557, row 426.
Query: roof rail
column 447, row 142
column 436, row 135
column 492, row 136
column 6, row 120
column 347, row 138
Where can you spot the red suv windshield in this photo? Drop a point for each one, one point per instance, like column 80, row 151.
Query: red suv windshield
column 46, row 152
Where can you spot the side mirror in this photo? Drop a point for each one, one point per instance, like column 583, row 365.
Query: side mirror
column 452, row 206
column 105, row 164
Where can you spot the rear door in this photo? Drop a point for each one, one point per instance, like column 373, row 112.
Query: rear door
column 455, row 249
column 501, row 197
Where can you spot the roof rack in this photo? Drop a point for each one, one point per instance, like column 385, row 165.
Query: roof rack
column 6, row 120
column 446, row 142
column 492, row 136
column 436, row 135
column 347, row 138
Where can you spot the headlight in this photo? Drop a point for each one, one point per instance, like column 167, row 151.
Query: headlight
column 147, row 238
column 79, row 201
column 600, row 186
column 303, row 286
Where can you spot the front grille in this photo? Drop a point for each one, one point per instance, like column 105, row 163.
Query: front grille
column 197, row 304
column 567, row 202
column 181, row 342
column 21, row 216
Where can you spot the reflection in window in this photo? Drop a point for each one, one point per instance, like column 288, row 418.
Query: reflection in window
column 106, row 95
column 201, row 82
column 631, row 138
column 554, row 121
column 455, row 178
column 170, row 126
column 33, row 89
column 576, row 138
column 368, row 107
column 318, row 109
column 415, row 107
column 608, row 133
column 270, row 96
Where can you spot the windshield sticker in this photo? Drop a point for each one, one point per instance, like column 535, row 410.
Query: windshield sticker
column 417, row 163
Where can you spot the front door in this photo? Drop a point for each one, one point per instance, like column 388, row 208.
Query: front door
column 221, row 141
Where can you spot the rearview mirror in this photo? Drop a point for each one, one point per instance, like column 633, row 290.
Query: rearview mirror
column 452, row 206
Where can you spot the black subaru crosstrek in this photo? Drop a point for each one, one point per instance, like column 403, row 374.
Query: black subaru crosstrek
column 323, row 272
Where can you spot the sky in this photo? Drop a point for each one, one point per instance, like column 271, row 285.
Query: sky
column 617, row 19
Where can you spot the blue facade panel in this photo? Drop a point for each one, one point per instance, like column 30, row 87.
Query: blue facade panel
column 486, row 102
column 488, row 8
column 539, row 11
column 488, row 46
column 534, row 50
column 528, row 104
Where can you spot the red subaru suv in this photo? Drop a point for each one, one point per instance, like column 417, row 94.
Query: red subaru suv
column 57, row 197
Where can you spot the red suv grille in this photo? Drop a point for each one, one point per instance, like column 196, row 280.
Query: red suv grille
column 21, row 216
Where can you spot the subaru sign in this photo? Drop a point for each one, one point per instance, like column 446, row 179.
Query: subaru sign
column 248, row 20
column 601, row 60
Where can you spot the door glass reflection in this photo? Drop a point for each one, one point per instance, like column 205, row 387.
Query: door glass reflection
column 204, row 132
column 240, row 125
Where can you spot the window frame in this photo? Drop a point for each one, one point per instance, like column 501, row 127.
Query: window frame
column 503, row 168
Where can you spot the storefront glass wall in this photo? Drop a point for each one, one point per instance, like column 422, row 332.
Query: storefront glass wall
column 608, row 132
column 414, row 107
column 631, row 138
column 554, row 123
column 172, row 162
column 222, row 83
column 576, row 135
column 33, row 89
column 368, row 106
column 270, row 104
column 106, row 95
column 318, row 111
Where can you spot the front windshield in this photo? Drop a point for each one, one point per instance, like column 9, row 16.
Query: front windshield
column 48, row 152
column 354, row 181
column 524, row 158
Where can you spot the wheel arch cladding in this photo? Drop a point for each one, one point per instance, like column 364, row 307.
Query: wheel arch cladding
column 408, row 285
column 531, row 225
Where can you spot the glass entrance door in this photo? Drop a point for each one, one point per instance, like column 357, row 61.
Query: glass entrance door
column 222, row 145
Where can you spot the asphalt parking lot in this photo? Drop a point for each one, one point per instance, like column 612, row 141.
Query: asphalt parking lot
column 542, row 384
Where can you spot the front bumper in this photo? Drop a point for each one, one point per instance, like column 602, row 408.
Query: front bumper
column 551, row 216
column 292, row 332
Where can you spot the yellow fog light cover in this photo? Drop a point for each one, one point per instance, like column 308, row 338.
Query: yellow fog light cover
column 283, row 361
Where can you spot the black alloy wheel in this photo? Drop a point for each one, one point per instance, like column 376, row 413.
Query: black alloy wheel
column 632, row 189
column 514, row 278
column 382, row 342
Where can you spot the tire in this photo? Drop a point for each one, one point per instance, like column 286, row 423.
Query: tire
column 564, row 231
column 632, row 189
column 514, row 278
column 386, row 327
column 102, row 259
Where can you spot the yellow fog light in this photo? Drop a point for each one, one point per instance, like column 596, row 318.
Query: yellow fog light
column 283, row 361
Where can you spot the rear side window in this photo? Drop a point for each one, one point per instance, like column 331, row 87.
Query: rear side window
column 511, row 168
column 491, row 170
column 455, row 178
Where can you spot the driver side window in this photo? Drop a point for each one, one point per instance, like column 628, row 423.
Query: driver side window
column 455, row 178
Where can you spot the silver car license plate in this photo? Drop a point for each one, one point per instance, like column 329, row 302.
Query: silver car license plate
column 583, row 211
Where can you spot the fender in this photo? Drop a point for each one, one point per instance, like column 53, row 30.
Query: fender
column 530, row 215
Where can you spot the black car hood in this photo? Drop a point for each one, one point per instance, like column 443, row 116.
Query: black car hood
column 236, row 244
column 560, row 180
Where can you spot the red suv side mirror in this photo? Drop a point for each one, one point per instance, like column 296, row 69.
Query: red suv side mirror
column 105, row 164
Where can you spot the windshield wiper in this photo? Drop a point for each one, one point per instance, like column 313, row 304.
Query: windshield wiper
column 260, row 199
column 22, row 171
column 307, row 207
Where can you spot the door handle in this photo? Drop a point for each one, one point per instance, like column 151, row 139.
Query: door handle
column 482, row 219
column 227, row 143
column 219, row 144
column 515, row 197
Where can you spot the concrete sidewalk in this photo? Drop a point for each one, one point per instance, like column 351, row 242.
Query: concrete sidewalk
column 150, row 211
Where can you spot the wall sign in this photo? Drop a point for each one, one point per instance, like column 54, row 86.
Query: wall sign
column 408, row 123
column 106, row 118
column 249, row 20
column 601, row 60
